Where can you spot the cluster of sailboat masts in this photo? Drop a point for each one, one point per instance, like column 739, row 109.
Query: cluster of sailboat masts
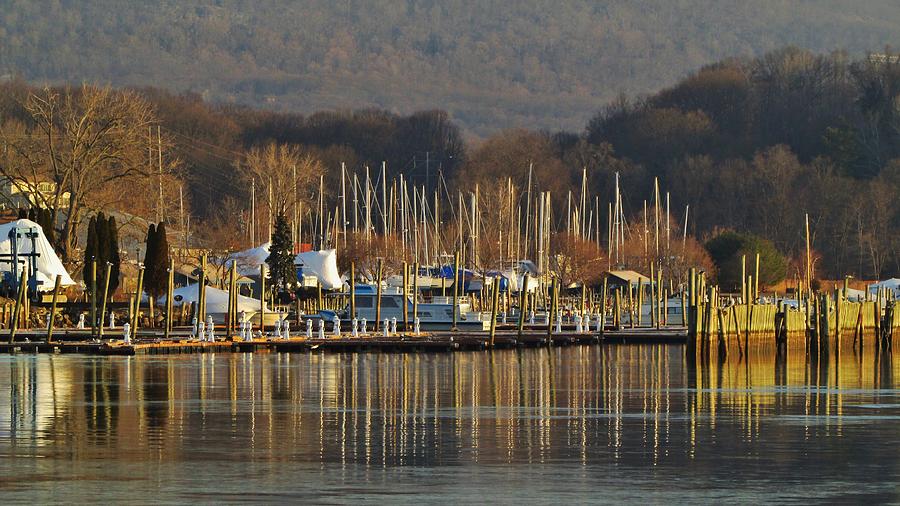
column 515, row 224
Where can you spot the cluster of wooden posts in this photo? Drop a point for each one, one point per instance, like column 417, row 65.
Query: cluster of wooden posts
column 823, row 320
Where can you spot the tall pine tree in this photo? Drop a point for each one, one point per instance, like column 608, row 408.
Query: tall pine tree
column 156, row 261
column 282, row 272
column 113, row 254
column 90, row 252
column 101, row 232
column 156, row 275
column 149, row 251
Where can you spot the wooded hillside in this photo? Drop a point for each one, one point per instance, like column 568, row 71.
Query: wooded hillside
column 751, row 145
column 490, row 65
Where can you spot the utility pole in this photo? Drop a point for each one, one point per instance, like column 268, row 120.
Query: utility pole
column 253, row 213
column 181, row 215
column 160, row 212
column 270, row 208
column 344, row 204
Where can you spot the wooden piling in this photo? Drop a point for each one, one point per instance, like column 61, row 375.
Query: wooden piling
column 20, row 297
column 378, row 274
column 603, row 299
column 495, row 299
column 105, row 297
column 523, row 305
column 93, row 297
column 201, row 290
column 262, row 297
column 232, row 298
column 640, row 303
column 744, row 296
column 551, row 314
column 170, row 293
column 723, row 343
column 53, row 307
column 631, row 311
column 137, row 301
column 617, row 318
column 756, row 279
column 653, row 298
column 415, row 290
column 353, row 291
column 405, row 297
column 456, row 283
column 659, row 303
column 319, row 298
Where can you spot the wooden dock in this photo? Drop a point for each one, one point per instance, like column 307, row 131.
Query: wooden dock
column 152, row 343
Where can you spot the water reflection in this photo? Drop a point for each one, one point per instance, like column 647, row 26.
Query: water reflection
column 211, row 424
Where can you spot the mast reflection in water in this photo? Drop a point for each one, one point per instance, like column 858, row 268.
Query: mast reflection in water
column 601, row 423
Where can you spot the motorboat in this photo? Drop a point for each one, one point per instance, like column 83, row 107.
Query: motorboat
column 436, row 314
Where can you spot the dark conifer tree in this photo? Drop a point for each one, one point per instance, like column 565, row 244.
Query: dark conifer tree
column 156, row 261
column 90, row 252
column 102, row 234
column 113, row 254
column 149, row 251
column 156, row 276
column 282, row 272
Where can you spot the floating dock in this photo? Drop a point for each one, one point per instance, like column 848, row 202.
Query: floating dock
column 150, row 343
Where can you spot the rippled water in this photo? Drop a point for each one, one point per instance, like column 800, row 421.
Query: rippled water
column 604, row 423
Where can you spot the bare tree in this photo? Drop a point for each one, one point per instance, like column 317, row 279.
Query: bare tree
column 575, row 261
column 91, row 143
column 365, row 252
column 284, row 176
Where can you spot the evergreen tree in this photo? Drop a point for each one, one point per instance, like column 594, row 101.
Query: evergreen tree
column 90, row 252
column 101, row 233
column 156, row 261
column 113, row 254
column 282, row 272
column 149, row 251
column 156, row 276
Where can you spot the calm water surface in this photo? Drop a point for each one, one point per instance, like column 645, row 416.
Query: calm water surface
column 607, row 423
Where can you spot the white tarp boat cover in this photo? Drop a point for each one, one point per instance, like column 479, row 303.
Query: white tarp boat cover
column 891, row 284
column 47, row 264
column 248, row 261
column 321, row 264
column 855, row 295
column 216, row 300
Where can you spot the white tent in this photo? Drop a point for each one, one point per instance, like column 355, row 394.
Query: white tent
column 216, row 300
column 321, row 264
column 47, row 264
